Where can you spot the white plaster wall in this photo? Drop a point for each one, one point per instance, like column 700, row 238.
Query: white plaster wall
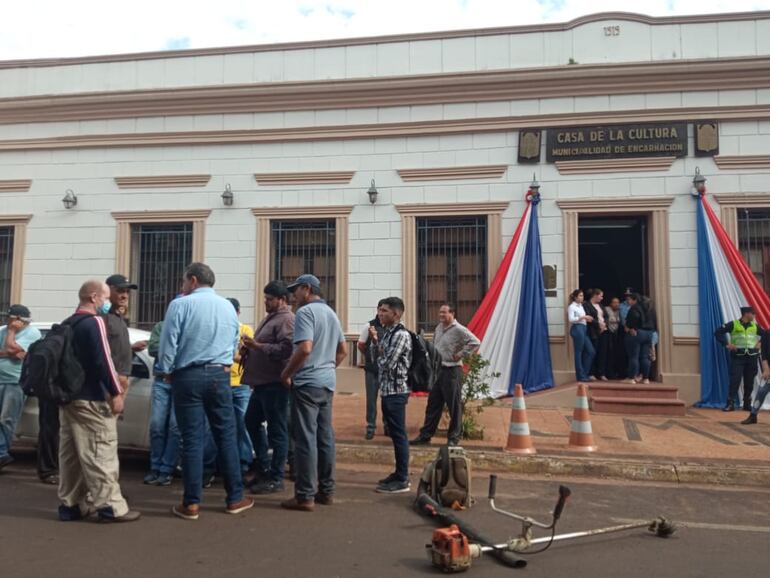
column 586, row 44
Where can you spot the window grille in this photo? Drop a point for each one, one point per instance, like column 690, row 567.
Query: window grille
column 6, row 267
column 451, row 266
column 754, row 242
column 299, row 247
column 160, row 253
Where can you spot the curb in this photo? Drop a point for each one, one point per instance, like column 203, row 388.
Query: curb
column 566, row 466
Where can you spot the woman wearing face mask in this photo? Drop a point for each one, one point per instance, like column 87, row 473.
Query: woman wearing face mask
column 584, row 349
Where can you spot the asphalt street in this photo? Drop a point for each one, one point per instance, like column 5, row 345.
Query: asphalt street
column 723, row 532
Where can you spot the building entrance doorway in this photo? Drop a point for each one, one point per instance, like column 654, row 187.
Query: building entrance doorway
column 613, row 253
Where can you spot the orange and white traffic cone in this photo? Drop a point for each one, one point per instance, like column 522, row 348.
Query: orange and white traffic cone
column 519, row 439
column 581, row 436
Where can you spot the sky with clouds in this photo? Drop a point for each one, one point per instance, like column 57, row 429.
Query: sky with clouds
column 61, row 28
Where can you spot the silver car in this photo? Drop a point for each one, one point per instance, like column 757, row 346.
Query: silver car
column 134, row 423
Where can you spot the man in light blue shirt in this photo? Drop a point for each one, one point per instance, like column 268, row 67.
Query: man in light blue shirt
column 319, row 347
column 197, row 346
column 15, row 339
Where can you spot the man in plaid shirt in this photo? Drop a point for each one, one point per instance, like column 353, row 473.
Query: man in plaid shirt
column 394, row 356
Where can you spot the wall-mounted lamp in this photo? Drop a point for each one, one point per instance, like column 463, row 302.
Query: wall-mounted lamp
column 227, row 196
column 533, row 194
column 698, row 183
column 372, row 192
column 70, row 199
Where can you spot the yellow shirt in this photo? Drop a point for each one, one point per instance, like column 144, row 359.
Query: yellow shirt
column 235, row 369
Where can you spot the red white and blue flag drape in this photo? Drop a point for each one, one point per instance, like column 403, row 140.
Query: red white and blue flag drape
column 511, row 321
column 725, row 284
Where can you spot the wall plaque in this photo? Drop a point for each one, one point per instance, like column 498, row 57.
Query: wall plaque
column 706, row 139
column 529, row 146
column 616, row 141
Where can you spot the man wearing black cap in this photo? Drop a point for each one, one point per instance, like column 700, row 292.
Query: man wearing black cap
column 15, row 339
column 117, row 327
column 744, row 345
column 319, row 347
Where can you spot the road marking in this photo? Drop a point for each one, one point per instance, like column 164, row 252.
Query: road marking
column 705, row 526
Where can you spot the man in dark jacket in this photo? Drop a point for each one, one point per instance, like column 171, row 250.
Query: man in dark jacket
column 264, row 360
column 744, row 346
column 764, row 390
column 88, row 450
column 371, row 371
column 638, row 341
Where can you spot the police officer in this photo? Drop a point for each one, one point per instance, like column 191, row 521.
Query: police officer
column 744, row 345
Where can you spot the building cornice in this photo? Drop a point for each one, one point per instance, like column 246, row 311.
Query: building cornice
column 743, row 200
column 726, row 162
column 479, row 86
column 442, row 209
column 386, row 130
column 304, row 178
column 15, row 219
column 614, row 204
column 415, row 37
column 15, row 186
column 594, row 166
column 453, row 173
column 162, row 181
column 161, row 216
column 303, row 212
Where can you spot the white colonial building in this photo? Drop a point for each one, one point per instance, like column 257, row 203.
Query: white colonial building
column 259, row 160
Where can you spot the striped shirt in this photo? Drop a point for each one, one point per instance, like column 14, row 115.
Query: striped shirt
column 394, row 356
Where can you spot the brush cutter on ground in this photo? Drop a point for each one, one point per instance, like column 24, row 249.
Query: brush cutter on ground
column 453, row 548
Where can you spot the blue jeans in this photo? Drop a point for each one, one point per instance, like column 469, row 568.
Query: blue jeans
column 270, row 403
column 11, row 407
column 394, row 414
column 202, row 393
column 314, row 451
column 638, row 351
column 241, row 396
column 164, row 433
column 584, row 351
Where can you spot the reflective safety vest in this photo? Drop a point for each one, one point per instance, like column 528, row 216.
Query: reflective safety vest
column 744, row 337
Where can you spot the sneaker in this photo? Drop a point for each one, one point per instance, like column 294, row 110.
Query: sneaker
column 369, row 435
column 394, row 487
column 266, row 487
column 604, row 378
column 298, row 505
column 151, row 478
column 390, row 478
column 419, row 441
column 238, row 507
column 130, row 516
column 162, row 480
column 752, row 419
column 51, row 479
column 324, row 499
column 646, row 381
column 453, row 443
column 5, row 460
column 190, row 512
column 208, row 480
column 630, row 381
column 69, row 513
column 591, row 378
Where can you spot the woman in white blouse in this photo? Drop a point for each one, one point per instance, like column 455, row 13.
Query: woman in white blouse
column 584, row 349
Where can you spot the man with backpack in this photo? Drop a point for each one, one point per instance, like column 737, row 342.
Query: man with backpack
column 15, row 339
column 454, row 342
column 88, row 450
column 393, row 352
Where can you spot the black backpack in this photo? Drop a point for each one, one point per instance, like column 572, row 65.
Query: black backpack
column 426, row 364
column 51, row 371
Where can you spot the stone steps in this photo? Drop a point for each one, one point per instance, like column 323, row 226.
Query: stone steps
column 632, row 399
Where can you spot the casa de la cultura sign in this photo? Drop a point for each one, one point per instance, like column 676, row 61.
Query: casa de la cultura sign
column 616, row 141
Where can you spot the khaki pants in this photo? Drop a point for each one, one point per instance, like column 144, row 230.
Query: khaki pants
column 88, row 457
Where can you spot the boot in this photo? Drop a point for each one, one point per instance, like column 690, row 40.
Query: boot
column 730, row 406
column 752, row 419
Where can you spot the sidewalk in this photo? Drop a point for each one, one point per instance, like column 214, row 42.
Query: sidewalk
column 705, row 446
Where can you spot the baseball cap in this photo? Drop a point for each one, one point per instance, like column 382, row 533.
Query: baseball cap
column 20, row 311
column 306, row 279
column 747, row 310
column 121, row 282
